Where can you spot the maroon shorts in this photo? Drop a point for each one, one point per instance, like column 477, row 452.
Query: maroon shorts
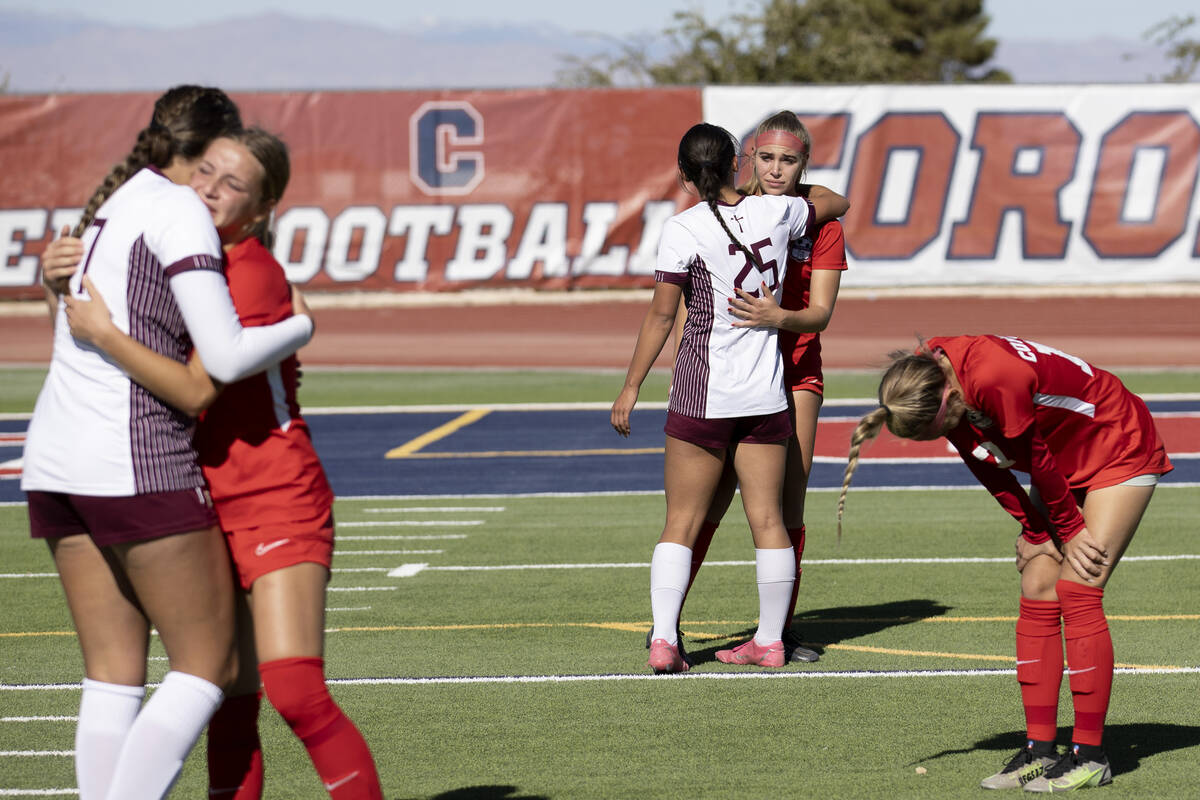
column 113, row 520
column 719, row 434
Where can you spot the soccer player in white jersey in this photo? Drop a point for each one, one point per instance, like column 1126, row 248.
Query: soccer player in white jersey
column 727, row 393
column 266, row 481
column 109, row 470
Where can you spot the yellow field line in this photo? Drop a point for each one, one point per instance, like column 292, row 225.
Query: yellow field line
column 27, row 634
column 606, row 451
column 440, row 432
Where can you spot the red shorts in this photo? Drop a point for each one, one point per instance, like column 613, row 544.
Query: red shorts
column 719, row 434
column 266, row 548
column 802, row 370
column 115, row 520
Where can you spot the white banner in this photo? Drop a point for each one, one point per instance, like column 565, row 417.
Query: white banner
column 1000, row 185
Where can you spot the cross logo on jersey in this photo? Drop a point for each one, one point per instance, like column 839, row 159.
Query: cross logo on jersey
column 738, row 220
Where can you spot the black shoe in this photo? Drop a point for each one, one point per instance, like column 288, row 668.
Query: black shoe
column 794, row 651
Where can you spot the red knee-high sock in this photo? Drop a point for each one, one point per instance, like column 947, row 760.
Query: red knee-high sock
column 700, row 550
column 235, row 764
column 1089, row 658
column 796, row 535
column 1040, row 666
column 296, row 687
column 235, row 753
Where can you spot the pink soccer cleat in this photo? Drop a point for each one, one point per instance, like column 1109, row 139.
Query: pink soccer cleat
column 751, row 652
column 665, row 658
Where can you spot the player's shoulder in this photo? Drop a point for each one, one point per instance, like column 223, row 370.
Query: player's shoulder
column 830, row 231
column 251, row 268
column 165, row 199
column 252, row 251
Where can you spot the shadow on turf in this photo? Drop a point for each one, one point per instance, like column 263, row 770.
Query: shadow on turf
column 487, row 793
column 821, row 627
column 1125, row 745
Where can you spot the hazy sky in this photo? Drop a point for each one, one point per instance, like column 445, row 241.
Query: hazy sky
column 1011, row 19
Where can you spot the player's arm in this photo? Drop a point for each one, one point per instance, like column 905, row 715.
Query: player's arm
column 656, row 329
column 765, row 312
column 187, row 387
column 828, row 262
column 59, row 261
column 1008, row 492
column 1084, row 553
column 827, row 204
column 230, row 351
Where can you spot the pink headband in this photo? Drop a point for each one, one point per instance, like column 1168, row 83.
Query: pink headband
column 781, row 138
column 934, row 429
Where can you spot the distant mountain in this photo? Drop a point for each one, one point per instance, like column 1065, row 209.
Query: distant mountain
column 1101, row 60
column 41, row 53
column 45, row 53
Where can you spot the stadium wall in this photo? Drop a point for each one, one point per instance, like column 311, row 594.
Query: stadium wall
column 568, row 189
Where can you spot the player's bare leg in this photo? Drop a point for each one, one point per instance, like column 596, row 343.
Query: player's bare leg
column 184, row 584
column 760, row 474
column 113, row 635
column 289, row 622
column 691, row 474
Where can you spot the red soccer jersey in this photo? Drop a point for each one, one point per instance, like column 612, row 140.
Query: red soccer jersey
column 1068, row 424
column 826, row 251
column 255, row 449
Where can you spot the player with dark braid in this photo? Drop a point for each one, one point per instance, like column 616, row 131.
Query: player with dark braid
column 780, row 151
column 113, row 482
column 727, row 394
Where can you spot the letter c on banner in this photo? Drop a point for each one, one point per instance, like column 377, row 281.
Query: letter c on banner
column 436, row 131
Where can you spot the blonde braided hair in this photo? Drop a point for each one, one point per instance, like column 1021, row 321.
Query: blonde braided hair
column 910, row 394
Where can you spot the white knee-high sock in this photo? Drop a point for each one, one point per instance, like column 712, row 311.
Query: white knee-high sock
column 162, row 735
column 776, row 572
column 670, row 568
column 106, row 712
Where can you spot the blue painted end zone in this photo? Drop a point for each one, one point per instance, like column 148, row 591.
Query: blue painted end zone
column 512, row 452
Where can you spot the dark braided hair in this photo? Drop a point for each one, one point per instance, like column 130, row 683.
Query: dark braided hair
column 184, row 121
column 706, row 158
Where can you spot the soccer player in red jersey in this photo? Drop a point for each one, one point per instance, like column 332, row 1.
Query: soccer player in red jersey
column 1093, row 456
column 780, row 151
column 268, row 487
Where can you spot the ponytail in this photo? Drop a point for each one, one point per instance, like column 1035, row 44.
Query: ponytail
column 706, row 154
column 868, row 428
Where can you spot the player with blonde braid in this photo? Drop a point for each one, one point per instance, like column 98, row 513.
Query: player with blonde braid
column 1093, row 457
column 727, row 394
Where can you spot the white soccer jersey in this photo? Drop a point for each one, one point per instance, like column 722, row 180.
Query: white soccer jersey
column 153, row 254
column 722, row 371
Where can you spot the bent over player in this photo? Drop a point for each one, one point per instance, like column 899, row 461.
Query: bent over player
column 1093, row 456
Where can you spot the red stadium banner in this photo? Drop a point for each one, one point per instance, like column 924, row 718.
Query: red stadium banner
column 1000, row 185
column 408, row 191
column 565, row 189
